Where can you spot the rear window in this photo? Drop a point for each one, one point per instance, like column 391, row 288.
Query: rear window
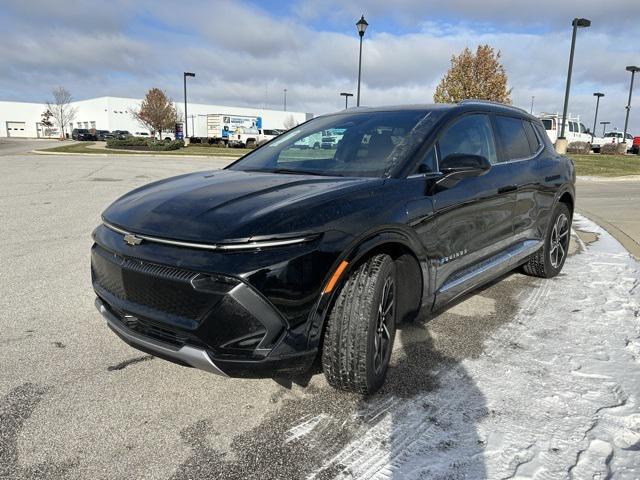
column 512, row 137
column 534, row 142
column 548, row 124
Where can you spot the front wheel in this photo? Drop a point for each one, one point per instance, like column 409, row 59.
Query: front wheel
column 549, row 260
column 361, row 328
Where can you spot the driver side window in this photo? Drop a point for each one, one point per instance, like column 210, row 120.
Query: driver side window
column 472, row 134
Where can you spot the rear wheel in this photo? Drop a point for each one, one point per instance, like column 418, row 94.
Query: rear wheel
column 548, row 261
column 361, row 328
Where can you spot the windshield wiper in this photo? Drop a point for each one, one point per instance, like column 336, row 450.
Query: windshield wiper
column 293, row 171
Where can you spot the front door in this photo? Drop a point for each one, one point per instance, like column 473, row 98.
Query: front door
column 474, row 218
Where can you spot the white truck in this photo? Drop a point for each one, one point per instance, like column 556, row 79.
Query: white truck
column 219, row 127
column 616, row 137
column 574, row 130
column 250, row 137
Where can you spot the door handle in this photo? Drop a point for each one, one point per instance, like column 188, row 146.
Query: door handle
column 508, row 188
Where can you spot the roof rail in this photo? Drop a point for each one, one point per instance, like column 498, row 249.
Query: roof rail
column 492, row 102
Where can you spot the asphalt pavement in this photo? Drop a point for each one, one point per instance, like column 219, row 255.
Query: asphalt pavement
column 77, row 402
column 613, row 203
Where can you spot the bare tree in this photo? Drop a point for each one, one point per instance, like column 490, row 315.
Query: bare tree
column 157, row 112
column 46, row 123
column 61, row 110
column 480, row 76
column 290, row 122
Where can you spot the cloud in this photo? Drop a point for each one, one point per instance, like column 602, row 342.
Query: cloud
column 245, row 54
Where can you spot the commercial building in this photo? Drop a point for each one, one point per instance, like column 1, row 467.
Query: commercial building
column 22, row 119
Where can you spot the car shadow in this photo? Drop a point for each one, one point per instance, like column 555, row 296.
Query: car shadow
column 423, row 422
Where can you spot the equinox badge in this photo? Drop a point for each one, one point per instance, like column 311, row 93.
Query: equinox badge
column 132, row 239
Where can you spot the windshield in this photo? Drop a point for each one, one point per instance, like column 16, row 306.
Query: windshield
column 363, row 144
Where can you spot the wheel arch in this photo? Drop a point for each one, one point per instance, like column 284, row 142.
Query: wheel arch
column 413, row 276
column 567, row 198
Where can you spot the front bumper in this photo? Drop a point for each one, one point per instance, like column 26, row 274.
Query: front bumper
column 185, row 355
column 210, row 321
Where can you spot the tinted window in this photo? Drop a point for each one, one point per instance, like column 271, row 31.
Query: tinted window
column 534, row 143
column 471, row 134
column 582, row 128
column 358, row 144
column 429, row 163
column 548, row 124
column 512, row 137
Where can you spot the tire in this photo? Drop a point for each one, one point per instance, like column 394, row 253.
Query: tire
column 350, row 359
column 251, row 143
column 549, row 260
column 316, row 145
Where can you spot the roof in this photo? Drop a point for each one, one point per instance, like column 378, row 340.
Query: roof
column 465, row 105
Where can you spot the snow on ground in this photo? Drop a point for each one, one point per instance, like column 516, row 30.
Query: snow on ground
column 556, row 393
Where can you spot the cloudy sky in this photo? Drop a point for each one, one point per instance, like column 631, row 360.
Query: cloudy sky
column 247, row 52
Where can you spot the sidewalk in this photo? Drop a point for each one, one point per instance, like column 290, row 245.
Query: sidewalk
column 614, row 204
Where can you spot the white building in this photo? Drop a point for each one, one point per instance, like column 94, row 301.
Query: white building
column 22, row 119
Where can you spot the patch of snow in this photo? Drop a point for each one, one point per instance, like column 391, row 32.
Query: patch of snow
column 305, row 428
column 556, row 393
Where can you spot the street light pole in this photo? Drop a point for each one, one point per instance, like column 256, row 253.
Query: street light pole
column 595, row 118
column 532, row 98
column 604, row 126
column 633, row 69
column 186, row 122
column 362, row 27
column 285, row 99
column 577, row 22
column 346, row 98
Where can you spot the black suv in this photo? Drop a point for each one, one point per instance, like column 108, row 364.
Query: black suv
column 103, row 135
column 120, row 134
column 82, row 134
column 291, row 258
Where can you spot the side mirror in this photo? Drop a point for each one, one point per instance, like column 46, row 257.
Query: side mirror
column 463, row 165
column 456, row 167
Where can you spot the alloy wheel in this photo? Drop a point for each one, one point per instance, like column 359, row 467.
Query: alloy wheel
column 559, row 241
column 386, row 315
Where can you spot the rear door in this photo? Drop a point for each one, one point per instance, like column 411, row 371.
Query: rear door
column 532, row 170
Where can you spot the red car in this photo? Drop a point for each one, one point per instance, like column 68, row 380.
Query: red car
column 635, row 148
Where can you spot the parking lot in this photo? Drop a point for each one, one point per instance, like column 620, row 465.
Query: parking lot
column 523, row 377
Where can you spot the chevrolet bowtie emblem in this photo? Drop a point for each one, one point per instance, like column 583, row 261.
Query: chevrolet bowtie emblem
column 132, row 239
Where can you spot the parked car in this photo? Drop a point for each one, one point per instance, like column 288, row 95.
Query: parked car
column 281, row 260
column 103, row 135
column 616, row 137
column 121, row 134
column 635, row 146
column 142, row 134
column 82, row 134
column 574, row 130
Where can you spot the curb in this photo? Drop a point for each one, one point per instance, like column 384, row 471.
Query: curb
column 630, row 244
column 137, row 154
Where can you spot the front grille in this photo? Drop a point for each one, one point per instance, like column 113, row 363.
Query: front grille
column 156, row 287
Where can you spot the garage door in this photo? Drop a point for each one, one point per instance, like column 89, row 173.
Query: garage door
column 16, row 129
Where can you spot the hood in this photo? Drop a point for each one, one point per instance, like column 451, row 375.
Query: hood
column 228, row 205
